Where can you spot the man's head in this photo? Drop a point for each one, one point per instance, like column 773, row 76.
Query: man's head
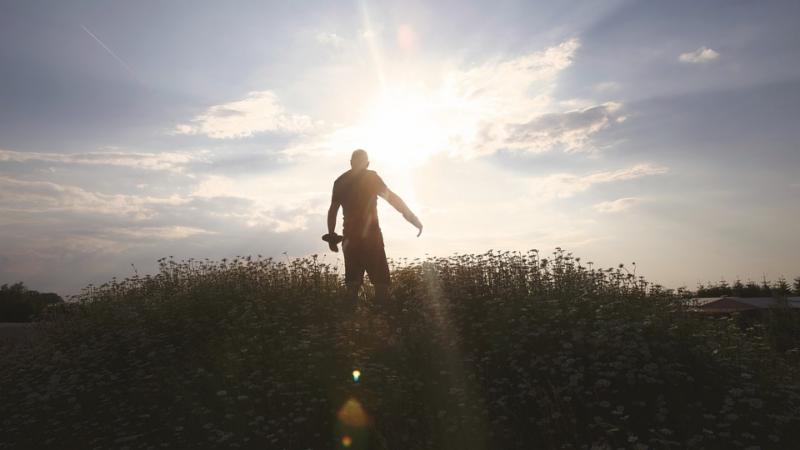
column 359, row 160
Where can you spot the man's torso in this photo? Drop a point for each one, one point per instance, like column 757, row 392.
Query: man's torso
column 357, row 192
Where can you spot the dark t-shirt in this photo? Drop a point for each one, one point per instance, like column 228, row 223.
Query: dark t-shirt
column 357, row 192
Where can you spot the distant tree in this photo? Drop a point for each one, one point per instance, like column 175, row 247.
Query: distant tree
column 781, row 288
column 719, row 289
column 705, row 291
column 797, row 286
column 738, row 288
column 20, row 304
column 765, row 290
column 723, row 288
column 751, row 289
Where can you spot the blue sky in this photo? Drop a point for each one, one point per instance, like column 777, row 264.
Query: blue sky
column 663, row 133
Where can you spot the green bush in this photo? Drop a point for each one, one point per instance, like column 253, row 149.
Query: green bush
column 499, row 350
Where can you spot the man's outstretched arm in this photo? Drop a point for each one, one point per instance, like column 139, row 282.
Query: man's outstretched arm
column 398, row 204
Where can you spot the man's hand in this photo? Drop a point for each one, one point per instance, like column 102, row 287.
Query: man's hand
column 398, row 204
column 333, row 241
column 412, row 218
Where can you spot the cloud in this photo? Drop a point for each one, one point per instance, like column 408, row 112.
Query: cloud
column 510, row 90
column 167, row 232
column 169, row 161
column 331, row 39
column 637, row 171
column 215, row 186
column 272, row 202
column 46, row 223
column 475, row 110
column 258, row 112
column 618, row 205
column 607, row 86
column 44, row 196
column 569, row 131
column 567, row 185
column 209, row 204
column 500, row 79
column 512, row 105
column 701, row 55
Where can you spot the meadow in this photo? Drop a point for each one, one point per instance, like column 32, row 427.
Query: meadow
column 490, row 351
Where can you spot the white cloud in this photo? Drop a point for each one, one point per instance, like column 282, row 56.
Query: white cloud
column 44, row 196
column 276, row 202
column 467, row 112
column 510, row 91
column 168, row 232
column 170, row 161
column 637, row 171
column 216, row 186
column 564, row 185
column 701, row 55
column 618, row 205
column 331, row 39
column 258, row 112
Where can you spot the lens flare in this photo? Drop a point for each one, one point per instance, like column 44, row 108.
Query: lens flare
column 347, row 441
column 356, row 375
column 352, row 414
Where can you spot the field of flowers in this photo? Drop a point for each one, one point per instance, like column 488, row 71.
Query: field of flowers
column 491, row 351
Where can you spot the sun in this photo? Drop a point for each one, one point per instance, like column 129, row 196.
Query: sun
column 402, row 130
column 405, row 127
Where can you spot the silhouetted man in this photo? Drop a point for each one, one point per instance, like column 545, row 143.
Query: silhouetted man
column 357, row 191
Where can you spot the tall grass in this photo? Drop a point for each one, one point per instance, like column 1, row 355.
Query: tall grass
column 498, row 350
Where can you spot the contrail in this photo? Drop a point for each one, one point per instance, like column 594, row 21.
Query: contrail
column 110, row 52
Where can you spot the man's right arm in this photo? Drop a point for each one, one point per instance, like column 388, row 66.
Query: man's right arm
column 333, row 212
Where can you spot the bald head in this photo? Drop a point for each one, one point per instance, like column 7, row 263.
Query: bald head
column 359, row 160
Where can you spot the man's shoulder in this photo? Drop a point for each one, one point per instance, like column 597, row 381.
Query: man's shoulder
column 342, row 177
column 376, row 179
column 373, row 175
column 369, row 176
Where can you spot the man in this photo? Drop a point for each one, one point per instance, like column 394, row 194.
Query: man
column 356, row 191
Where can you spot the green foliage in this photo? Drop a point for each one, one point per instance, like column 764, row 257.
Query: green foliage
column 498, row 350
column 20, row 304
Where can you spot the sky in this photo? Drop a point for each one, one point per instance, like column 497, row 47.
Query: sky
column 660, row 133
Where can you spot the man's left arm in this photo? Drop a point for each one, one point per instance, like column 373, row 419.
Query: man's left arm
column 398, row 204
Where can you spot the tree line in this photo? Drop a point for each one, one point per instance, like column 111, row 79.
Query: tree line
column 780, row 288
column 20, row 304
